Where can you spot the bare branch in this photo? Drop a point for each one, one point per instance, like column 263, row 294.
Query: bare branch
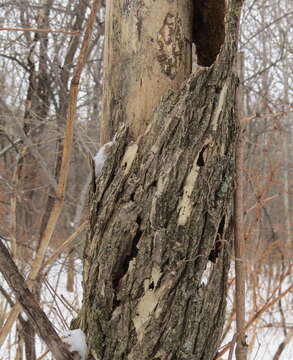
column 74, row 33
column 65, row 164
column 36, row 315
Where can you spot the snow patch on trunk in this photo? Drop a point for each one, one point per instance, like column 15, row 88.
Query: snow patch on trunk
column 76, row 341
column 101, row 156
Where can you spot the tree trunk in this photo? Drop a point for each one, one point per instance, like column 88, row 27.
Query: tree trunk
column 158, row 247
column 147, row 51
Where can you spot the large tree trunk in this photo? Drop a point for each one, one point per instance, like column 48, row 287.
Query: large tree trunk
column 158, row 248
column 147, row 51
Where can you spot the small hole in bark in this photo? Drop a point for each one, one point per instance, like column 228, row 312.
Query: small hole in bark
column 125, row 265
column 201, row 157
column 218, row 244
column 154, row 183
column 115, row 283
column 134, row 248
column 167, row 262
column 151, row 286
column 221, row 228
column 139, row 220
column 116, row 302
column 217, row 89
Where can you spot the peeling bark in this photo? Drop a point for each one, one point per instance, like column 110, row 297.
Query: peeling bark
column 158, row 247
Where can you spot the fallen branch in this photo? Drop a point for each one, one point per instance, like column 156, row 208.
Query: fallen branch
column 31, row 307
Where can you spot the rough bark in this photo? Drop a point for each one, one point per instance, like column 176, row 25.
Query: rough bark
column 158, row 247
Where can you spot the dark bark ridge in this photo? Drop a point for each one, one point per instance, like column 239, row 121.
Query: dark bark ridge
column 158, row 247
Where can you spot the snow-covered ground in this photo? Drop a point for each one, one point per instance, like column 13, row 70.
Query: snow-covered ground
column 267, row 333
column 61, row 306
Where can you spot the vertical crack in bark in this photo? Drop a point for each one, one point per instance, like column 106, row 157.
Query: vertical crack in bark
column 202, row 156
column 134, row 248
column 126, row 262
column 218, row 243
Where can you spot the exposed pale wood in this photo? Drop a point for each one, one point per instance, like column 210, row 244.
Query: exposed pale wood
column 147, row 51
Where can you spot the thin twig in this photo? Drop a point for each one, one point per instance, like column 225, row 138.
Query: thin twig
column 67, row 243
column 233, row 343
column 41, row 30
column 282, row 345
column 11, row 146
column 256, row 316
column 239, row 246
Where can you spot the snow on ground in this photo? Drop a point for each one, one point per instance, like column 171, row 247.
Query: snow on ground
column 265, row 336
column 60, row 305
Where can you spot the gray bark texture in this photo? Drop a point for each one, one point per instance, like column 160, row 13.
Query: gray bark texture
column 161, row 223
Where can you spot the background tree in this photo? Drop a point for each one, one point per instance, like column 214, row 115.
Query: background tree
column 33, row 123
